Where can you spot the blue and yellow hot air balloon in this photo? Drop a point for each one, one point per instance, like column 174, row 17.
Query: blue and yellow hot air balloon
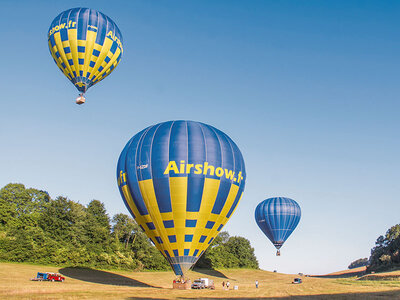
column 86, row 45
column 181, row 181
column 277, row 218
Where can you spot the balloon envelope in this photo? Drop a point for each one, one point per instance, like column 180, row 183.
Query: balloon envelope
column 181, row 181
column 277, row 218
column 86, row 45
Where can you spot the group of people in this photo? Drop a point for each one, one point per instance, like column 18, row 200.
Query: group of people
column 225, row 285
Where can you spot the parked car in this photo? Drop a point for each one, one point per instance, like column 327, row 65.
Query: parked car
column 297, row 281
column 47, row 276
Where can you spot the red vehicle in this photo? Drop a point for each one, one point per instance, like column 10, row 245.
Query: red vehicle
column 47, row 276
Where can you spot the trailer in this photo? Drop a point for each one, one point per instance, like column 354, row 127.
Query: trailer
column 48, row 276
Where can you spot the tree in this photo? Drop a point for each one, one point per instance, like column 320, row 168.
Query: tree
column 97, row 223
column 228, row 252
column 19, row 206
column 359, row 263
column 240, row 247
column 386, row 253
column 124, row 228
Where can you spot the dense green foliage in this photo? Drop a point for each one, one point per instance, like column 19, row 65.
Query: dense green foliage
column 386, row 253
column 228, row 252
column 35, row 228
column 359, row 263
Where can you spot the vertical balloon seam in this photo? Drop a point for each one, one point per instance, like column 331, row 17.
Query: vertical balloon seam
column 200, row 225
column 187, row 185
column 206, row 197
column 203, row 202
column 75, row 59
column 271, row 221
column 169, row 184
column 278, row 211
column 283, row 217
column 74, row 66
column 87, row 59
column 171, row 253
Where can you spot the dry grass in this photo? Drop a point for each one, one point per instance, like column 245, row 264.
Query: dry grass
column 96, row 284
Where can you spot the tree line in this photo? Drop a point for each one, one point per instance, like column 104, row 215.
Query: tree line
column 386, row 253
column 38, row 229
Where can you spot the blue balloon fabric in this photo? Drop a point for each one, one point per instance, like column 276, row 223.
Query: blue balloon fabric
column 277, row 218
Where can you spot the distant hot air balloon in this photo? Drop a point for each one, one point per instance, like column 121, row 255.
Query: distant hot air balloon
column 181, row 181
column 86, row 45
column 277, row 218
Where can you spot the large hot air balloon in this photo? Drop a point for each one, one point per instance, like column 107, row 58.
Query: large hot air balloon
column 181, row 181
column 277, row 218
column 86, row 45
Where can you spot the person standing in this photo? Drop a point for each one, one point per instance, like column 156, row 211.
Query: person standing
column 227, row 285
column 256, row 284
column 223, row 284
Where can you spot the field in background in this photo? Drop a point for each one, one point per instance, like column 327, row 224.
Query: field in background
column 97, row 284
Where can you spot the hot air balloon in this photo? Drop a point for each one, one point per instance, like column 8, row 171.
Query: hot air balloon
column 277, row 218
column 86, row 45
column 181, row 181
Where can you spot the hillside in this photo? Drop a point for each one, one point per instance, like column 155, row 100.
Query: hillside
column 344, row 273
column 97, row 284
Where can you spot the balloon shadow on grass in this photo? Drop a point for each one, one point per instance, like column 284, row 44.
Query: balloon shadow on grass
column 103, row 277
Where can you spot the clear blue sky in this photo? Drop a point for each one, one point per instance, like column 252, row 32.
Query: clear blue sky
column 309, row 91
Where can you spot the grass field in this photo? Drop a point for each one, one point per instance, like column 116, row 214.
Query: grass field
column 97, row 284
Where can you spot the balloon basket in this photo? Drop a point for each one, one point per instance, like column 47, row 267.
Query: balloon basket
column 181, row 284
column 278, row 253
column 80, row 100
